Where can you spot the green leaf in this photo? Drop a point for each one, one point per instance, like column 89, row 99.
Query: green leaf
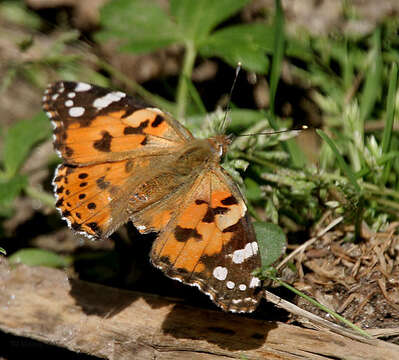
column 271, row 240
column 248, row 44
column 388, row 128
column 17, row 13
column 196, row 19
column 2, row 251
column 39, row 257
column 19, row 140
column 9, row 190
column 140, row 25
column 253, row 191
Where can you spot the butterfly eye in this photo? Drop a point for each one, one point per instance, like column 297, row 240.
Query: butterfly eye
column 220, row 150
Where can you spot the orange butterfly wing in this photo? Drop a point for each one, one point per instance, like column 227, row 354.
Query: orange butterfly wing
column 104, row 137
column 210, row 243
column 93, row 125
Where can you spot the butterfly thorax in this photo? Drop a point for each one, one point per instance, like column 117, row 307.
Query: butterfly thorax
column 200, row 154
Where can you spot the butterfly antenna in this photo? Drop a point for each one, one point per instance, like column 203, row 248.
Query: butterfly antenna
column 223, row 125
column 303, row 127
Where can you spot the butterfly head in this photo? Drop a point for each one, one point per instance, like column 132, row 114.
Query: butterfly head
column 221, row 143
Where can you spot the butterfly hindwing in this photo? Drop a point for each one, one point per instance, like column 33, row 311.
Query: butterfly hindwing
column 93, row 124
column 210, row 243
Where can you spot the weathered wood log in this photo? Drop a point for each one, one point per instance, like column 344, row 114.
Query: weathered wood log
column 43, row 304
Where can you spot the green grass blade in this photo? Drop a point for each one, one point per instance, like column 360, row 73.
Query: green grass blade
column 373, row 81
column 279, row 42
column 387, row 134
column 341, row 162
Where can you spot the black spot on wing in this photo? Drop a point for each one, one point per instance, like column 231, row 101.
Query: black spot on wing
column 91, row 206
column 59, row 202
column 129, row 166
column 76, row 226
column 129, row 130
column 144, row 141
column 101, row 183
column 183, row 234
column 94, row 226
column 158, row 121
column 220, row 210
column 68, row 151
column 231, row 200
column 104, row 144
column 209, row 217
column 233, row 228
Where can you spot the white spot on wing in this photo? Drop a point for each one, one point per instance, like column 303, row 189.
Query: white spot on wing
column 106, row 100
column 230, row 285
column 240, row 255
column 81, row 86
column 141, row 227
column 254, row 282
column 158, row 111
column 54, row 97
column 220, row 273
column 242, row 287
column 233, row 216
column 68, row 103
column 76, row 111
column 71, row 95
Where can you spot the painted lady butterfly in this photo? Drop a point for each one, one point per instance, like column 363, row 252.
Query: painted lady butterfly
column 125, row 161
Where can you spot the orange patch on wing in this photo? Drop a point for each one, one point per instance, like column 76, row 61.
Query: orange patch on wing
column 218, row 196
column 84, row 196
column 171, row 248
column 117, row 114
column 127, row 142
column 192, row 215
column 161, row 220
column 189, row 258
column 157, row 124
column 212, row 238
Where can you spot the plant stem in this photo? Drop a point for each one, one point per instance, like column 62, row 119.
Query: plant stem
column 185, row 76
column 154, row 99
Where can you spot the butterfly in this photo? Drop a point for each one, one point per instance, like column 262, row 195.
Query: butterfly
column 125, row 161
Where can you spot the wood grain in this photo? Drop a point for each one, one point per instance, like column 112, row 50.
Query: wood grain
column 43, row 304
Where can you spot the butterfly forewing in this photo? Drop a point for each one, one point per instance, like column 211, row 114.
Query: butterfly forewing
column 93, row 124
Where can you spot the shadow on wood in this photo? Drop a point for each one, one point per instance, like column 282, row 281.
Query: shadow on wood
column 43, row 304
